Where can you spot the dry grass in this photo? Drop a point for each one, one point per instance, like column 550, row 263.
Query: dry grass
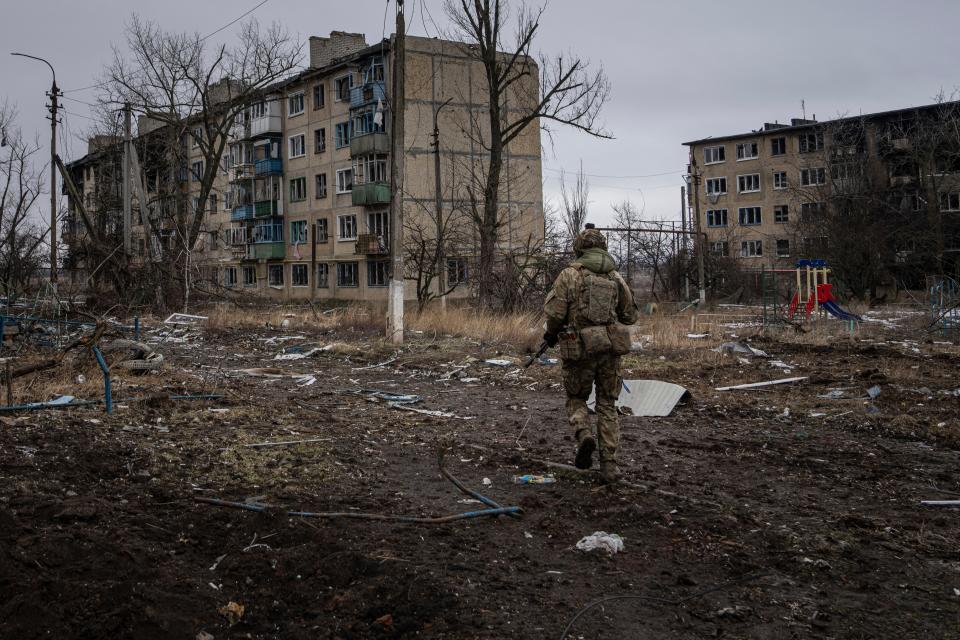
column 358, row 318
column 520, row 330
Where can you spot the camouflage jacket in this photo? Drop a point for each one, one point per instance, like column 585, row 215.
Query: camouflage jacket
column 561, row 306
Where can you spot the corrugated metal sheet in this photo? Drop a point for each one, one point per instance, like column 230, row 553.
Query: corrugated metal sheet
column 648, row 398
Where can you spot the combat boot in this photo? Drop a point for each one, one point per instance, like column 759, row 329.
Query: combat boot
column 586, row 445
column 609, row 472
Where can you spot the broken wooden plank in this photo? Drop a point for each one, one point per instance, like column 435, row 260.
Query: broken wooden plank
column 766, row 383
column 940, row 503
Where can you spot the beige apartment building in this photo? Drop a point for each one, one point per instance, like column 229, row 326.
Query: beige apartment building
column 301, row 206
column 763, row 196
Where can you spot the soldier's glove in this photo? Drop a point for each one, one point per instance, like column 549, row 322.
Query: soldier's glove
column 551, row 339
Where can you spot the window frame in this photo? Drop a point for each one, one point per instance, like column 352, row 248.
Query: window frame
column 722, row 245
column 341, row 134
column 716, row 151
column 803, row 142
column 337, row 87
column 319, row 141
column 298, row 234
column 341, row 172
column 319, row 89
column 274, row 269
column 779, row 253
column 324, row 281
column 341, row 218
column 290, row 101
column 750, row 216
column 820, row 173
column 741, row 181
column 945, row 198
column 249, row 282
column 458, row 265
column 782, row 146
column 321, row 238
column 195, row 174
column 302, row 193
column 781, row 214
column 780, row 181
column 708, row 181
column 291, row 142
column 304, row 268
column 711, row 218
column 374, row 267
column 751, row 248
column 742, row 148
column 226, row 280
column 317, row 180
column 355, row 268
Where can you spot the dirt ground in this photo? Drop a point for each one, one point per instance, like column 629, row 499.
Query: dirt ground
column 766, row 513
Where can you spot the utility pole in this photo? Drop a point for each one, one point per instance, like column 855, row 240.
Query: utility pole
column 127, row 209
column 700, row 245
column 395, row 300
column 54, row 93
column 441, row 232
column 683, row 226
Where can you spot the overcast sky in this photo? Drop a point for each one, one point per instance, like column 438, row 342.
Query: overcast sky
column 680, row 70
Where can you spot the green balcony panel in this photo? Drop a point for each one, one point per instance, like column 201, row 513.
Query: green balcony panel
column 269, row 250
column 369, row 143
column 266, row 208
column 371, row 193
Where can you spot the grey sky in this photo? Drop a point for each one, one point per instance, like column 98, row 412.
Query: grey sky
column 680, row 70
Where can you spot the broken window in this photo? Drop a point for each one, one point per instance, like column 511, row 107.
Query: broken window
column 322, row 232
column 230, row 276
column 716, row 186
column 783, row 248
column 457, row 272
column 295, row 104
column 747, row 150
column 319, row 97
column 212, row 203
column 319, row 140
column 275, row 275
column 297, row 146
column 716, row 217
column 298, row 232
column 323, row 275
column 249, row 276
column 378, row 273
column 720, row 249
column 298, row 189
column 320, row 186
column 780, row 180
column 341, row 133
column 347, row 227
column 751, row 248
column 370, row 168
column 749, row 215
column 810, row 142
column 344, row 180
column 196, row 171
column 347, row 274
column 713, row 155
column 812, row 211
column 749, row 183
column 813, row 177
column 780, row 214
column 299, row 275
column 950, row 202
column 341, row 87
column 778, row 146
column 378, row 223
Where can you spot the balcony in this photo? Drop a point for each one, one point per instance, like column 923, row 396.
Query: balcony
column 266, row 251
column 367, row 93
column 371, row 244
column 371, row 193
column 268, row 167
column 241, row 172
column 268, row 233
column 369, row 143
column 266, row 125
column 267, row 209
column 241, row 212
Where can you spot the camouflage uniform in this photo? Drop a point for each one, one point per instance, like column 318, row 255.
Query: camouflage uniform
column 563, row 309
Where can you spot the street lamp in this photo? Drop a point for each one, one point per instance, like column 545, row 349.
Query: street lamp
column 54, row 93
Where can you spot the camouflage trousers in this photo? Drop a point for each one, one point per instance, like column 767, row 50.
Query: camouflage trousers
column 579, row 376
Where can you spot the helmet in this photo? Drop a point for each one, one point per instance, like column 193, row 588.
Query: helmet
column 589, row 239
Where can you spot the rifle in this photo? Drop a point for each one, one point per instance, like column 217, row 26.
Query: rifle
column 543, row 349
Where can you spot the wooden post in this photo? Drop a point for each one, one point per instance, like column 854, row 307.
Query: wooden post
column 9, row 378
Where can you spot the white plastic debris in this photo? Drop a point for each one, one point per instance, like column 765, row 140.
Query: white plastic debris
column 487, row 482
column 498, row 363
column 609, row 542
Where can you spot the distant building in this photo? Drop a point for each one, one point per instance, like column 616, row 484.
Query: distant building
column 300, row 208
column 768, row 197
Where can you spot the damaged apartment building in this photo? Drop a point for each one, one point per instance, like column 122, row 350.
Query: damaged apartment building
column 301, row 204
column 810, row 189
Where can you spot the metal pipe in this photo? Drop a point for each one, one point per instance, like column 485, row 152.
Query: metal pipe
column 107, row 396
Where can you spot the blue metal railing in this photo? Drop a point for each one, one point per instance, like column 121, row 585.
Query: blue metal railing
column 367, row 92
column 241, row 212
column 269, row 166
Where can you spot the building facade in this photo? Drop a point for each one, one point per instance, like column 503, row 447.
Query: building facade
column 784, row 191
column 301, row 204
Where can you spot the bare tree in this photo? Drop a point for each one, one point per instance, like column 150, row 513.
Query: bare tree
column 575, row 203
column 562, row 90
column 194, row 92
column 20, row 185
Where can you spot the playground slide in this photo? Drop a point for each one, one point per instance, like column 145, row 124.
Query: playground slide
column 833, row 309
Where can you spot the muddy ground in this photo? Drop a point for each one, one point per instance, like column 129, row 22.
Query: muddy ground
column 768, row 513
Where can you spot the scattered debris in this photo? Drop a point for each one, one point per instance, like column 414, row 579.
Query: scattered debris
column 498, row 363
column 392, row 398
column 646, row 398
column 257, row 445
column 611, row 543
column 832, row 394
column 183, row 318
column 940, row 503
column 232, row 611
column 739, row 347
column 534, row 479
column 767, row 383
column 697, row 336
column 428, row 412
column 873, row 391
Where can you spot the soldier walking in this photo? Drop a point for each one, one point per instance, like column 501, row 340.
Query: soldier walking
column 587, row 310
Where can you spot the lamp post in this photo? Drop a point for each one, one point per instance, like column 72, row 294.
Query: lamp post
column 54, row 93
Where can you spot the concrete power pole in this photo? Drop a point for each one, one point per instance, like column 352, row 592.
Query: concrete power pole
column 438, row 195
column 395, row 300
column 683, row 225
column 700, row 245
column 127, row 207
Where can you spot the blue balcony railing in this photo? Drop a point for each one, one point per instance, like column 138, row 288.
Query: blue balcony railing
column 366, row 93
column 268, row 167
column 242, row 212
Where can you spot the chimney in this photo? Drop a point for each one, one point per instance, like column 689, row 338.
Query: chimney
column 323, row 51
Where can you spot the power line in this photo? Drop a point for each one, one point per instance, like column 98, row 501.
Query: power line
column 597, row 175
column 235, row 20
